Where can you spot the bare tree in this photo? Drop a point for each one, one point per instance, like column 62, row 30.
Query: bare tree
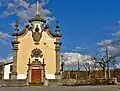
column 89, row 65
column 104, row 64
column 114, row 62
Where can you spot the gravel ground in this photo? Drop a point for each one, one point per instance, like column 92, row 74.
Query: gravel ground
column 63, row 88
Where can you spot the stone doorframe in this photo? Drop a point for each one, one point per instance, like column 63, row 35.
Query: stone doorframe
column 36, row 65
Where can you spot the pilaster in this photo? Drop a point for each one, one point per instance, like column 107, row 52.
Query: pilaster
column 15, row 43
column 57, row 49
column 28, row 73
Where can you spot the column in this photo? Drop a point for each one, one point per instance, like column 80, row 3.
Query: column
column 15, row 50
column 15, row 43
column 28, row 72
column 57, row 49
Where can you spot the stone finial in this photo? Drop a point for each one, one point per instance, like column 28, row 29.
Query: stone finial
column 16, row 26
column 57, row 26
column 58, row 34
column 37, row 12
column 16, row 23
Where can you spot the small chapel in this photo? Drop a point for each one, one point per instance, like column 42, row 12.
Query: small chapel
column 36, row 51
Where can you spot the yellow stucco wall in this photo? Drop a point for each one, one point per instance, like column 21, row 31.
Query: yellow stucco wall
column 26, row 46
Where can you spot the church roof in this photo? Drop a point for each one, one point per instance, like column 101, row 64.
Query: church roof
column 8, row 63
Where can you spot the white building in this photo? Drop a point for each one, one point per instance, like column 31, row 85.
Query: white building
column 7, row 70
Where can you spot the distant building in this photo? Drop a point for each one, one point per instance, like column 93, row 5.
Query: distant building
column 7, row 70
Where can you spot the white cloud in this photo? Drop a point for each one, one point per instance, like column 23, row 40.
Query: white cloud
column 7, row 59
column 117, row 35
column 0, row 4
column 113, row 45
column 78, row 48
column 104, row 42
column 26, row 11
column 71, row 59
column 4, row 37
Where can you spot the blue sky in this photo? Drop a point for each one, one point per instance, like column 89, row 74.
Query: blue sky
column 83, row 23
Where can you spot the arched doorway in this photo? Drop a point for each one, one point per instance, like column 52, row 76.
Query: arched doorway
column 36, row 71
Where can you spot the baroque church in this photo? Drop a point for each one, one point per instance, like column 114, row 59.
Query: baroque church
column 36, row 52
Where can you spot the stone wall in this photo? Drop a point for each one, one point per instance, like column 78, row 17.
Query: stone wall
column 81, row 82
column 54, row 82
column 13, row 83
column 95, row 74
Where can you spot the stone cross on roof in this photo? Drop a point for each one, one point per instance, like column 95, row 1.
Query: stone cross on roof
column 37, row 8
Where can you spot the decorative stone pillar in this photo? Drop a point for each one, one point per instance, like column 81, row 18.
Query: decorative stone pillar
column 43, row 64
column 57, row 49
column 45, row 81
column 28, row 72
column 15, row 43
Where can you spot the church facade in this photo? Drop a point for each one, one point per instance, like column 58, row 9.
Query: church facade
column 36, row 51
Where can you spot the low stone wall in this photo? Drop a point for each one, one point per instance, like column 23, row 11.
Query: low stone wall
column 60, row 82
column 79, row 82
column 13, row 83
column 54, row 82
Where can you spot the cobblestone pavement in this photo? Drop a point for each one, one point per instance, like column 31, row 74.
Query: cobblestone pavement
column 61, row 88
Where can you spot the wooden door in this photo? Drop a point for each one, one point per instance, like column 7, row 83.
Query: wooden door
column 36, row 75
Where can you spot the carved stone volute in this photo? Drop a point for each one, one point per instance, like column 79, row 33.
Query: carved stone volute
column 36, row 62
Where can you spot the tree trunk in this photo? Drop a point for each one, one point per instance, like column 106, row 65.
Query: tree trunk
column 104, row 73
column 89, row 73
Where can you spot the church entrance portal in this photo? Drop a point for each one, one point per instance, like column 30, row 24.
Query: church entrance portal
column 36, row 76
column 36, row 71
